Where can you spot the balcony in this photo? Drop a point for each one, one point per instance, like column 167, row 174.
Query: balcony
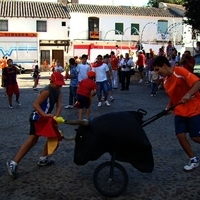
column 94, row 35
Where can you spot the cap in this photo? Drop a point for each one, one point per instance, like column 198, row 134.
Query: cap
column 57, row 78
column 91, row 74
column 140, row 51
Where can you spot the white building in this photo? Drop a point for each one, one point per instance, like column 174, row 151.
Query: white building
column 33, row 31
column 97, row 29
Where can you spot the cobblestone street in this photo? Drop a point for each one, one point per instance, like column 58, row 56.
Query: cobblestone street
column 65, row 180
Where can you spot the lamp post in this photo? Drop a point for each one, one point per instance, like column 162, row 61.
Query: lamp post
column 137, row 31
column 119, row 32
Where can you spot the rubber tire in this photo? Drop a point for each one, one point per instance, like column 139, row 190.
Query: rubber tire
column 107, row 193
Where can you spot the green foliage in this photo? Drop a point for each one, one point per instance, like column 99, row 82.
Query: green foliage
column 155, row 3
column 192, row 13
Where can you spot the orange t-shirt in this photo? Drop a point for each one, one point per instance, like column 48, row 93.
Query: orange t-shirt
column 176, row 86
column 114, row 62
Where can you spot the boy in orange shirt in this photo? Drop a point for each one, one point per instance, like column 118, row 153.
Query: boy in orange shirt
column 182, row 86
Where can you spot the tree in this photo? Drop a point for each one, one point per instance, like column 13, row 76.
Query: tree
column 192, row 14
column 155, row 3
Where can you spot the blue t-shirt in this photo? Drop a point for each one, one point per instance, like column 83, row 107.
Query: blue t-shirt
column 48, row 104
column 74, row 73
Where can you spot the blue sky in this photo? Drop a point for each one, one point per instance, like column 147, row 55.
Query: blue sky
column 108, row 2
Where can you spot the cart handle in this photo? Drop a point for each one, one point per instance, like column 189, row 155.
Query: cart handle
column 160, row 114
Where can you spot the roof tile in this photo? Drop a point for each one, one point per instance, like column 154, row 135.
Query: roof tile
column 121, row 10
column 12, row 8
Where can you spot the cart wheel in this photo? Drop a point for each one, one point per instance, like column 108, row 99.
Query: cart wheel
column 107, row 185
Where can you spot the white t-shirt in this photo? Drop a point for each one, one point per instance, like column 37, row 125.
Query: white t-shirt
column 124, row 62
column 100, row 71
column 59, row 69
column 82, row 70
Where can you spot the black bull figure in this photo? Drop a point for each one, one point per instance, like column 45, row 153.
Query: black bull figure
column 119, row 132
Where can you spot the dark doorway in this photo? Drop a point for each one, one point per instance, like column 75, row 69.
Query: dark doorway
column 44, row 54
column 58, row 55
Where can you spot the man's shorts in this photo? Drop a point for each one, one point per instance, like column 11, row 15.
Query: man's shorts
column 189, row 125
column 12, row 89
column 84, row 101
column 140, row 68
column 32, row 127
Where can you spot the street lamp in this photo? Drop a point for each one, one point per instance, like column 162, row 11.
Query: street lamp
column 119, row 32
column 137, row 31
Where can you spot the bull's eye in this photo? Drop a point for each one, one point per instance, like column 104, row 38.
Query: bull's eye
column 81, row 136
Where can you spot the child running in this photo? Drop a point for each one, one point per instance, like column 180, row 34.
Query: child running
column 43, row 107
column 86, row 90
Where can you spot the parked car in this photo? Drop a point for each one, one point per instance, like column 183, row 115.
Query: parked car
column 197, row 65
column 21, row 69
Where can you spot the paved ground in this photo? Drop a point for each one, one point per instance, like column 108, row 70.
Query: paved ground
column 66, row 181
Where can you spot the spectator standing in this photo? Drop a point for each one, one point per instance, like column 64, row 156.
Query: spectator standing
column 141, row 64
column 126, row 65
column 83, row 68
column 154, row 77
column 36, row 76
column 188, row 61
column 114, row 68
column 73, row 83
column 58, row 67
column 102, row 76
column 10, row 81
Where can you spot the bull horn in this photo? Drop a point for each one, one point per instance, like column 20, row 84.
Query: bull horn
column 70, row 138
column 83, row 122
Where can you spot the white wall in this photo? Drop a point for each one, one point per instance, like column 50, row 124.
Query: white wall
column 55, row 30
column 107, row 23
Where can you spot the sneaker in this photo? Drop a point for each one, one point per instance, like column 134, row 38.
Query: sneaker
column 192, row 164
column 107, row 104
column 69, row 107
column 99, row 104
column 140, row 81
column 46, row 162
column 19, row 104
column 10, row 106
column 12, row 168
column 35, row 89
column 111, row 99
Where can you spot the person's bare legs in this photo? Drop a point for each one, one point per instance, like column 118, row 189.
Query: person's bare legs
column 24, row 149
column 45, row 150
column 88, row 112
column 185, row 144
column 80, row 114
column 10, row 100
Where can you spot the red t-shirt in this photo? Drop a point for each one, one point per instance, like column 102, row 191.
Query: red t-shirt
column 86, row 86
column 114, row 62
column 191, row 61
column 176, row 86
column 141, row 60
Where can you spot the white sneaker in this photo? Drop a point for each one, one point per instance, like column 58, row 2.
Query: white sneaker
column 191, row 165
column 107, row 104
column 69, row 107
column 99, row 104
column 140, row 81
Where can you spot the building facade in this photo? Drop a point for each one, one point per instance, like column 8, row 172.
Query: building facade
column 34, row 31
column 98, row 29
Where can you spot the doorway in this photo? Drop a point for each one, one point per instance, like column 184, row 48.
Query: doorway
column 58, row 55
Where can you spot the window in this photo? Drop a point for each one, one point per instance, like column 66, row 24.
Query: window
column 44, row 54
column 93, row 23
column 135, row 29
column 119, row 28
column 63, row 23
column 3, row 25
column 162, row 26
column 41, row 26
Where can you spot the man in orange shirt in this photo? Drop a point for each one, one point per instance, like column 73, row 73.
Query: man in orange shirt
column 182, row 86
column 114, row 65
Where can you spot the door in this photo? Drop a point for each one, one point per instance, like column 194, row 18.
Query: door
column 58, row 55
